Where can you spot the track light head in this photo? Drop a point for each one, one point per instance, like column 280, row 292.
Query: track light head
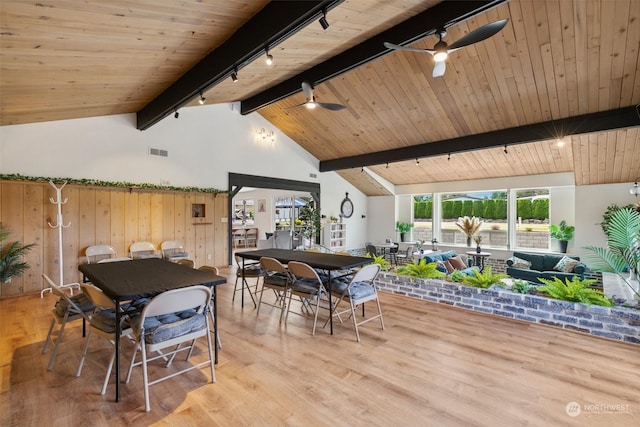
column 417, row 161
column 201, row 100
column 323, row 20
column 176, row 114
column 269, row 58
column 234, row 76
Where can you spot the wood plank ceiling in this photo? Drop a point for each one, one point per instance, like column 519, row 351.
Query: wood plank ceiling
column 555, row 59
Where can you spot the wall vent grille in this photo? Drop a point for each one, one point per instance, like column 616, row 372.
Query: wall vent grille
column 158, row 152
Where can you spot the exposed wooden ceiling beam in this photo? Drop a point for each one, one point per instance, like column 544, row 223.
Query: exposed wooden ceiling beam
column 442, row 15
column 277, row 21
column 555, row 129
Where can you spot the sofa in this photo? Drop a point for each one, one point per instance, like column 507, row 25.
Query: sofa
column 447, row 265
column 533, row 266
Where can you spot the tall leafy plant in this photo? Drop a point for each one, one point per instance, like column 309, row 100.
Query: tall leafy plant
column 420, row 270
column 623, row 246
column 484, row 279
column 575, row 290
column 11, row 263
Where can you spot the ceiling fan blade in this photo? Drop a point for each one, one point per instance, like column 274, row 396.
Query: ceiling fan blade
column 479, row 34
column 329, row 106
column 308, row 90
column 295, row 106
column 439, row 69
column 409, row 49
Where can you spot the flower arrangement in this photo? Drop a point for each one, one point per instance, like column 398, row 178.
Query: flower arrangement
column 478, row 239
column 469, row 226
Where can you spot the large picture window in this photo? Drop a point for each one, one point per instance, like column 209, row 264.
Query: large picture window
column 532, row 222
column 530, row 217
column 488, row 207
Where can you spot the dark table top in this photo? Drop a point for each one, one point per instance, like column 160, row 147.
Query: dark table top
column 319, row 260
column 143, row 277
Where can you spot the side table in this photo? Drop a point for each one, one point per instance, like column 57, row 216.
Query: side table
column 479, row 258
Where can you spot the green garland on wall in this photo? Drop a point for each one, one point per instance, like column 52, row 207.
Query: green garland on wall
column 117, row 184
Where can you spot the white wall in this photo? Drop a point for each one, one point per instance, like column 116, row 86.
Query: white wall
column 591, row 202
column 204, row 145
column 381, row 225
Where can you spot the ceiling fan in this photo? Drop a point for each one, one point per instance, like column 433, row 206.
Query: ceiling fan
column 311, row 100
column 441, row 50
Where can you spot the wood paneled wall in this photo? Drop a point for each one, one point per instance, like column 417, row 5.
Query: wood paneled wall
column 101, row 215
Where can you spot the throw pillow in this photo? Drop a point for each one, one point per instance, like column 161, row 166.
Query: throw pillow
column 457, row 263
column 566, row 264
column 448, row 266
column 521, row 263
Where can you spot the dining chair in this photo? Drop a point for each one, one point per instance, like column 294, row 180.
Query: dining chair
column 360, row 290
column 307, row 287
column 140, row 250
column 371, row 250
column 169, row 320
column 215, row 271
column 67, row 309
column 251, row 270
column 102, row 324
column 173, row 250
column 276, row 278
column 405, row 256
column 186, row 262
column 251, row 237
column 393, row 254
column 240, row 238
column 96, row 253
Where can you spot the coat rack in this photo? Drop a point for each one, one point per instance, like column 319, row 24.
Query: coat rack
column 59, row 225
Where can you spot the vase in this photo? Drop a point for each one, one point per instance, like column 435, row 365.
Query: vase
column 468, row 241
column 478, row 249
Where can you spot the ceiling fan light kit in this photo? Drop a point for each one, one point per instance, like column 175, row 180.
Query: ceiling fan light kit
column 311, row 101
column 441, row 50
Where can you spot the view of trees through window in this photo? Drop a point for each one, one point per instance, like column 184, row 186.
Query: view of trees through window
column 532, row 213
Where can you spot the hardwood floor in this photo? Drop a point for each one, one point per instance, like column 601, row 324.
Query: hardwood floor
column 432, row 365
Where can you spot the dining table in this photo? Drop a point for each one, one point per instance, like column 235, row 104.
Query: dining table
column 328, row 262
column 386, row 247
column 130, row 280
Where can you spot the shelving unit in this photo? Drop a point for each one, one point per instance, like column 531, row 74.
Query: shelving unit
column 335, row 236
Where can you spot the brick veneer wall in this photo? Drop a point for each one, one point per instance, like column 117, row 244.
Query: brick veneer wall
column 616, row 323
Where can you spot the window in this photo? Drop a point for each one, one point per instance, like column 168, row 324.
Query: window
column 489, row 207
column 532, row 219
column 423, row 218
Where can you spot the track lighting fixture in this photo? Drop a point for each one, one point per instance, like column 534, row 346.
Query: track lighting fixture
column 635, row 189
column 234, row 75
column 387, row 165
column 362, row 169
column 323, row 20
column 505, row 149
column 449, row 158
column 201, row 100
column 176, row 114
column 417, row 162
column 269, row 58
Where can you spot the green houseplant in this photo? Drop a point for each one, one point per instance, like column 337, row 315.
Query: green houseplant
column 575, row 290
column 403, row 228
column 623, row 247
column 11, row 263
column 420, row 270
column 380, row 260
column 484, row 279
column 562, row 233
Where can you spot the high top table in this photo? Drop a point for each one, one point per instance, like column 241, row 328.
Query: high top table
column 127, row 280
column 319, row 260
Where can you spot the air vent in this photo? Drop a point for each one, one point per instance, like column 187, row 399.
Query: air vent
column 313, row 175
column 158, row 152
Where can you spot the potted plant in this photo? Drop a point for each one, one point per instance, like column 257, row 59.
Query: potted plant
column 575, row 290
column 420, row 270
column 623, row 251
column 469, row 226
column 562, row 233
column 380, row 260
column 484, row 279
column 478, row 239
column 403, row 228
column 11, row 263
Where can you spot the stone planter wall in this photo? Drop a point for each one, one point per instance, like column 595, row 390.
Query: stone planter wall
column 616, row 323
